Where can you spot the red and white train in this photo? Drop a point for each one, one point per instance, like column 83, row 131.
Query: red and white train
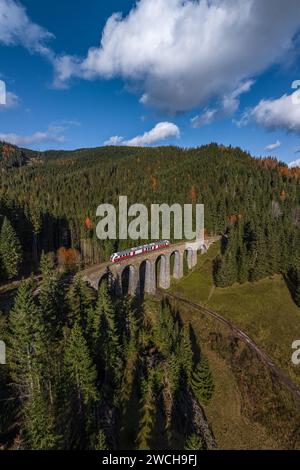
column 139, row 250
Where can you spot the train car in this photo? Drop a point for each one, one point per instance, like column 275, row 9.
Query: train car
column 138, row 250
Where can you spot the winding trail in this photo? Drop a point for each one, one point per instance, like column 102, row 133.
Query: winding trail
column 277, row 372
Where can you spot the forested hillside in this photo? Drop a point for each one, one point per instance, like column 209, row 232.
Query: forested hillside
column 92, row 372
column 49, row 201
column 86, row 371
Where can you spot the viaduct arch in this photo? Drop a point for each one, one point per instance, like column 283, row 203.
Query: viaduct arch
column 145, row 273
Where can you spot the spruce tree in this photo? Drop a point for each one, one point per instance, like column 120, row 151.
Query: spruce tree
column 186, row 353
column 47, row 265
column 80, row 299
column 101, row 441
column 26, row 338
column 258, row 255
column 40, row 432
column 202, row 382
column 110, row 343
column 225, row 270
column 10, row 250
column 194, row 442
column 130, row 356
column 52, row 305
column 147, row 408
column 80, row 391
column 242, row 264
column 80, row 371
column 30, row 366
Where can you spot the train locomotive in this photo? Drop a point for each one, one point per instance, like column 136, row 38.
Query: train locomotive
column 138, row 250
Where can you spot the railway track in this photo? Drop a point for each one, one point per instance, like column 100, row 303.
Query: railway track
column 276, row 371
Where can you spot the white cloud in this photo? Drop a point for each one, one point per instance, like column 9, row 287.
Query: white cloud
column 228, row 106
column 231, row 102
column 162, row 131
column 2, row 93
column 207, row 117
column 114, row 140
column 183, row 53
column 51, row 135
column 274, row 146
column 295, row 163
column 282, row 113
column 11, row 101
column 16, row 28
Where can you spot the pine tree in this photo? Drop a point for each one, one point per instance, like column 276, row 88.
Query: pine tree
column 225, row 270
column 101, row 441
column 186, row 353
column 40, row 433
column 147, row 408
column 80, row 391
column 26, row 338
column 258, row 255
column 80, row 371
column 194, row 442
column 80, row 299
column 30, row 366
column 10, row 250
column 110, row 343
column 130, row 355
column 167, row 331
column 242, row 264
column 47, row 265
column 52, row 305
column 34, row 214
column 202, row 382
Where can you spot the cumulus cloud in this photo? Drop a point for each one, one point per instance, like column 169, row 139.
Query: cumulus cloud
column 295, row 163
column 274, row 146
column 281, row 113
column 52, row 134
column 114, row 140
column 183, row 53
column 228, row 106
column 16, row 28
column 162, row 131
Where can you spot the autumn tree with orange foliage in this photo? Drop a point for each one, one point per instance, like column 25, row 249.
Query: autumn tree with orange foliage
column 68, row 258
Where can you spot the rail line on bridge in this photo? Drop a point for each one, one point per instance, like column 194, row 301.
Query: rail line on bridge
column 142, row 268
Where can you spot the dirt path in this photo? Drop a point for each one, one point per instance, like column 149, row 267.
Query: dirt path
column 211, row 293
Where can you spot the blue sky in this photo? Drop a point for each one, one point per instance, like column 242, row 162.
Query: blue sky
column 172, row 72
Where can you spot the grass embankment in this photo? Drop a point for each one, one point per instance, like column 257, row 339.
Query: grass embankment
column 226, row 411
column 264, row 310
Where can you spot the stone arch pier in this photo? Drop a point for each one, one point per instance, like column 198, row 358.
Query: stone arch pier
column 145, row 273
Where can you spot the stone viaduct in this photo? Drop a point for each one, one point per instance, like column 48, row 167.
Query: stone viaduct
column 146, row 272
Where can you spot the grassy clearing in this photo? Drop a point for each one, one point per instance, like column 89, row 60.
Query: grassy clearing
column 264, row 310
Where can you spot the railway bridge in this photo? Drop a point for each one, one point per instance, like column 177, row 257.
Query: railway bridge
column 146, row 272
